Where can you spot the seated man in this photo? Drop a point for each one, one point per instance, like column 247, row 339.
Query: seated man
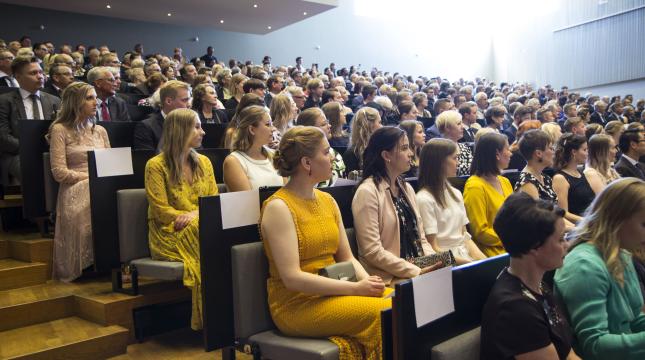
column 26, row 102
column 108, row 106
column 6, row 76
column 60, row 76
column 173, row 95
column 632, row 147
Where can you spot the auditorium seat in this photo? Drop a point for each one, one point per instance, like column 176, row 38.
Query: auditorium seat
column 253, row 324
column 132, row 207
column 461, row 347
column 51, row 185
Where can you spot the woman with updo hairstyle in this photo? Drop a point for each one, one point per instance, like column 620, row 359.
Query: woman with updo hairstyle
column 450, row 126
column 175, row 180
column 593, row 129
column 247, row 100
column 249, row 166
column 207, row 106
column 70, row 137
column 335, row 113
column 614, row 129
column 441, row 205
column 315, row 117
column 388, row 226
column 599, row 170
column 303, row 232
column 365, row 122
column 416, row 138
column 283, row 113
column 573, row 189
column 598, row 282
column 518, row 162
column 522, row 318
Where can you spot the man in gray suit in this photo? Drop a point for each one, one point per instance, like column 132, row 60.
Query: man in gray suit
column 108, row 106
column 25, row 103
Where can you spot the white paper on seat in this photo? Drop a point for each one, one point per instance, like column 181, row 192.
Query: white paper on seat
column 433, row 295
column 113, row 162
column 240, row 208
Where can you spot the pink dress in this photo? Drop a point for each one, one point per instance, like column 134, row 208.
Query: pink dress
column 73, row 234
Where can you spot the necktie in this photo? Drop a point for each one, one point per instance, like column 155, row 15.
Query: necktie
column 34, row 106
column 105, row 114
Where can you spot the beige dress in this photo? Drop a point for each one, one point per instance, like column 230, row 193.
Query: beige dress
column 73, row 234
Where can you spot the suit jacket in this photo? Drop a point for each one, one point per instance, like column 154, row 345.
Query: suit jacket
column 141, row 89
column 12, row 110
column 432, row 132
column 613, row 116
column 597, row 119
column 51, row 89
column 626, row 169
column 117, row 108
column 469, row 135
column 147, row 133
column 510, row 133
column 267, row 99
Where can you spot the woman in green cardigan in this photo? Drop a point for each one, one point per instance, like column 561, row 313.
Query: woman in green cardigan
column 598, row 282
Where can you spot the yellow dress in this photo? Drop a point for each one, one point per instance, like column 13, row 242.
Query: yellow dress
column 351, row 322
column 167, row 201
column 482, row 201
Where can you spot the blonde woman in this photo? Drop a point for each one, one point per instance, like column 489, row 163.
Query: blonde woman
column 335, row 114
column 554, row 131
column 174, row 180
column 449, row 123
column 365, row 122
column 598, row 282
column 70, row 136
column 236, row 89
column 599, row 170
column 283, row 112
column 249, row 164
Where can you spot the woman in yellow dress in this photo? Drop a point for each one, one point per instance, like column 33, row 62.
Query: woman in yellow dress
column 303, row 232
column 175, row 179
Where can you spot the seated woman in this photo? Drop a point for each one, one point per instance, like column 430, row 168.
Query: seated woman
column 486, row 190
column 450, row 126
column 249, row 166
column 175, row 179
column 207, row 106
column 518, row 162
column 494, row 116
column 416, row 139
column 283, row 113
column 236, row 89
column 247, row 100
column 302, row 231
column 71, row 136
column 573, row 189
column 315, row 117
column 441, row 205
column 522, row 319
column 599, row 169
column 408, row 111
column 365, row 122
column 388, row 226
column 336, row 115
column 598, row 283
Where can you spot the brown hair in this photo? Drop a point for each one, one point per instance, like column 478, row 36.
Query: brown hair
column 177, row 131
column 431, row 176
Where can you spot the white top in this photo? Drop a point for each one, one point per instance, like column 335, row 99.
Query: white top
column 260, row 172
column 447, row 224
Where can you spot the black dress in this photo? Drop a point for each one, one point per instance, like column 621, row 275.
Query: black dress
column 580, row 193
column 517, row 162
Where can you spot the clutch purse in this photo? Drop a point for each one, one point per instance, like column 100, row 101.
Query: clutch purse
column 340, row 271
column 446, row 257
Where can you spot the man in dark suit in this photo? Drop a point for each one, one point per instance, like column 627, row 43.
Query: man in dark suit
column 275, row 84
column 60, row 76
column 468, row 111
column 632, row 147
column 598, row 116
column 521, row 114
column 6, row 76
column 26, row 102
column 173, row 95
column 616, row 112
column 108, row 106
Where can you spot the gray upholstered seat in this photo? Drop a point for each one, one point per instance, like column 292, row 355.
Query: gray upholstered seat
column 462, row 347
column 252, row 319
column 51, row 185
column 132, row 206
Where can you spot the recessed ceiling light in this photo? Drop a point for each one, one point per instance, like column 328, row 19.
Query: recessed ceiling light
column 304, row 13
column 221, row 21
column 169, row 14
column 108, row 6
column 269, row 27
column 255, row 5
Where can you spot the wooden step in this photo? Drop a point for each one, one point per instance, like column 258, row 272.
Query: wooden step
column 35, row 312
column 31, row 250
column 4, row 249
column 68, row 338
column 15, row 273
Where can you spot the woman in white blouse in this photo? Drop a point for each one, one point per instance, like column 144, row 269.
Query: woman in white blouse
column 441, row 205
column 249, row 165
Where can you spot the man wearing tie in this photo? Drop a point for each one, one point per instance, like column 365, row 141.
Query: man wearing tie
column 632, row 145
column 108, row 106
column 6, row 78
column 468, row 111
column 25, row 103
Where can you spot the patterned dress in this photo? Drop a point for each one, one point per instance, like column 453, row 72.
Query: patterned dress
column 545, row 190
column 167, row 201
column 464, row 159
column 351, row 322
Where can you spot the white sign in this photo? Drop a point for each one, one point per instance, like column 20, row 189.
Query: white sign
column 113, row 162
column 433, row 295
column 240, row 208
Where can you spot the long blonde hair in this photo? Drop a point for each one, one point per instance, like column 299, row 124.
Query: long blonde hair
column 72, row 103
column 619, row 201
column 362, row 130
column 177, row 132
column 281, row 112
column 598, row 159
column 248, row 117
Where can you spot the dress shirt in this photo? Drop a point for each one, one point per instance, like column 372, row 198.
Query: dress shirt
column 27, row 102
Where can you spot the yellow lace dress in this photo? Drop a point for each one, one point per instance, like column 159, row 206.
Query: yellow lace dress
column 351, row 322
column 166, row 202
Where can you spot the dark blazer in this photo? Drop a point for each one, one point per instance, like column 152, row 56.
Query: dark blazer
column 12, row 109
column 219, row 117
column 626, row 169
column 510, row 133
column 432, row 132
column 50, row 89
column 141, row 89
column 267, row 99
column 118, row 109
column 613, row 116
column 469, row 135
column 147, row 133
column 597, row 119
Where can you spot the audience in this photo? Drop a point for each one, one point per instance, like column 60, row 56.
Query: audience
column 571, row 186
column 598, row 170
column 441, row 205
column 598, row 282
column 365, row 122
column 486, row 190
column 449, row 124
column 632, row 147
column 207, row 106
column 109, row 107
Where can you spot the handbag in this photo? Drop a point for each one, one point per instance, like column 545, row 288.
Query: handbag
column 343, row 271
column 446, row 257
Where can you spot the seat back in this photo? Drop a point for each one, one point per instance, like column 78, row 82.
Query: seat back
column 250, row 305
column 464, row 346
column 351, row 238
column 51, row 185
column 132, row 210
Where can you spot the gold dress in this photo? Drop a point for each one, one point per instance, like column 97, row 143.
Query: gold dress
column 351, row 322
column 73, row 249
column 167, row 201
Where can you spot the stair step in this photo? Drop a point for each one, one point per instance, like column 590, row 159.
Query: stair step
column 15, row 273
column 67, row 338
column 32, row 250
column 4, row 249
column 35, row 312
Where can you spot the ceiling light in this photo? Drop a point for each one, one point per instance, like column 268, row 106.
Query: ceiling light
column 255, row 5
column 108, row 6
column 269, row 27
column 304, row 13
column 221, row 21
column 169, row 14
